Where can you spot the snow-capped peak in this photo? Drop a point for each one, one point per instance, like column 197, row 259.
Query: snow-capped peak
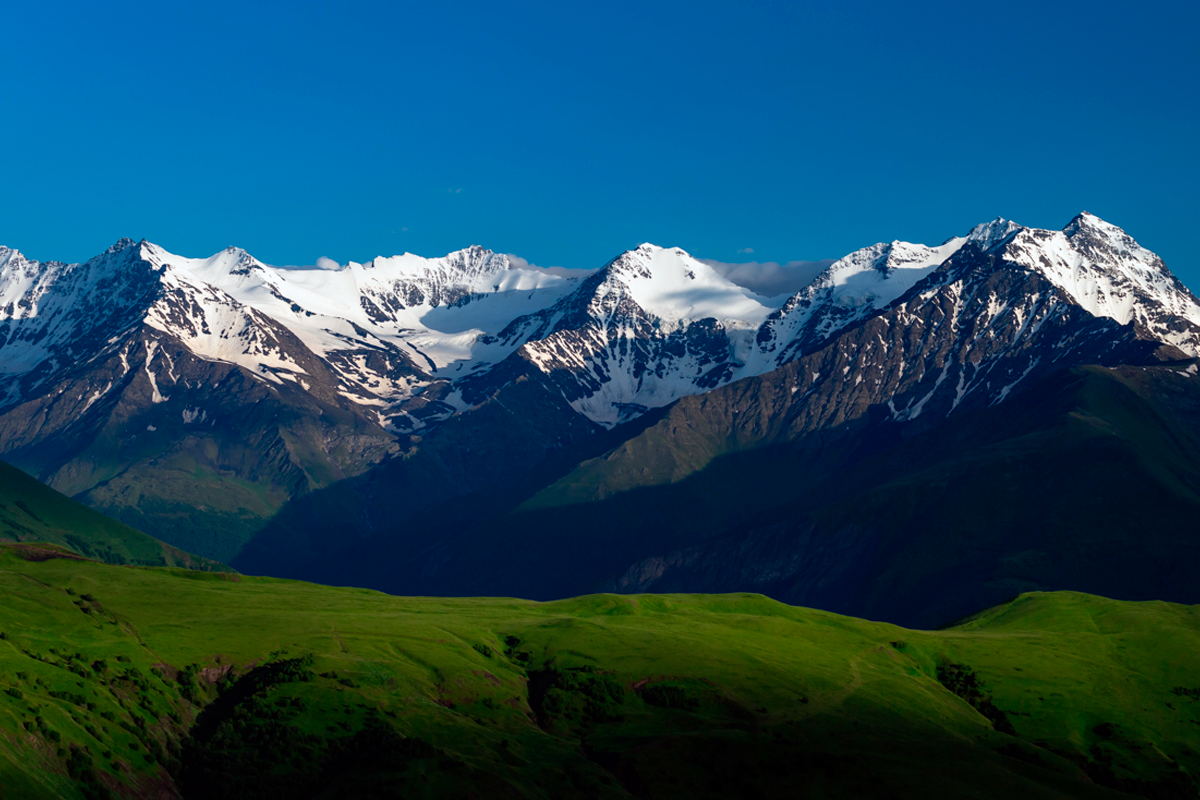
column 231, row 265
column 124, row 243
column 476, row 260
column 1105, row 271
column 672, row 285
column 443, row 281
column 9, row 256
column 1104, row 242
column 1086, row 219
column 879, row 274
column 987, row 235
column 462, row 265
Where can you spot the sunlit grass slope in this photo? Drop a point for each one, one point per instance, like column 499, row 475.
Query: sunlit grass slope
column 30, row 511
column 135, row 681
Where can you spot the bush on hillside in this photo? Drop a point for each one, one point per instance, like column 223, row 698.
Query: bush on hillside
column 964, row 682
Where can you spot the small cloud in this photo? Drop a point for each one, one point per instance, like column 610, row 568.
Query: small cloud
column 747, row 250
column 323, row 263
column 516, row 262
column 404, row 229
column 770, row 278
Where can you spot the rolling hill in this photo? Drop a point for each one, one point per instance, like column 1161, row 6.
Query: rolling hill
column 30, row 511
column 125, row 681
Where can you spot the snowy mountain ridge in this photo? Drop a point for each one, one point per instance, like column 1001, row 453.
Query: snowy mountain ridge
column 1109, row 274
column 419, row 339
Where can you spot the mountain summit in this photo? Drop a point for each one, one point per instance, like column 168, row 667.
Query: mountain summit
column 653, row 325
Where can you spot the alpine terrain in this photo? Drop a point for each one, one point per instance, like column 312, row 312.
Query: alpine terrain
column 917, row 433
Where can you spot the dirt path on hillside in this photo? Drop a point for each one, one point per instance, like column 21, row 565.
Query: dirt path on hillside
column 831, row 701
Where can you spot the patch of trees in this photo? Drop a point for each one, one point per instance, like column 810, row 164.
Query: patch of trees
column 189, row 687
column 80, row 768
column 122, row 686
column 77, row 663
column 251, row 742
column 665, row 695
column 580, row 695
column 964, row 682
column 522, row 657
column 349, row 683
column 74, row 698
column 87, row 603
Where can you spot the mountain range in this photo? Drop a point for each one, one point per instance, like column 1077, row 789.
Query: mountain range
column 919, row 432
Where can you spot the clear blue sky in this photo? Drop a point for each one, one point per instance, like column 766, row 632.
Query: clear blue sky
column 568, row 132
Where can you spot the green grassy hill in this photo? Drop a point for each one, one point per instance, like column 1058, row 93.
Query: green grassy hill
column 126, row 681
column 30, row 511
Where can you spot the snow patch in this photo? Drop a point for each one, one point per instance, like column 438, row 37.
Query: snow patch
column 156, row 396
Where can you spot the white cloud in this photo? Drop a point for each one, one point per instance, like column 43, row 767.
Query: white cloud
column 516, row 262
column 770, row 278
column 747, row 250
column 322, row 263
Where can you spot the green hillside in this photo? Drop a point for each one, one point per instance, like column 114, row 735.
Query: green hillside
column 30, row 511
column 126, row 681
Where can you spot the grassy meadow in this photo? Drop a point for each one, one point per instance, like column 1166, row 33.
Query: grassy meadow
column 135, row 681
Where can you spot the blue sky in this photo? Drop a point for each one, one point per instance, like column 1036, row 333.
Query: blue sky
column 567, row 133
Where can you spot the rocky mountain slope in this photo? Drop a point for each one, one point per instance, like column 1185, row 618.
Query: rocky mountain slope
column 764, row 483
column 307, row 419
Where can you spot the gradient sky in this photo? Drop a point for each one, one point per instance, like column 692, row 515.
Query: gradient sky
column 567, row 133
